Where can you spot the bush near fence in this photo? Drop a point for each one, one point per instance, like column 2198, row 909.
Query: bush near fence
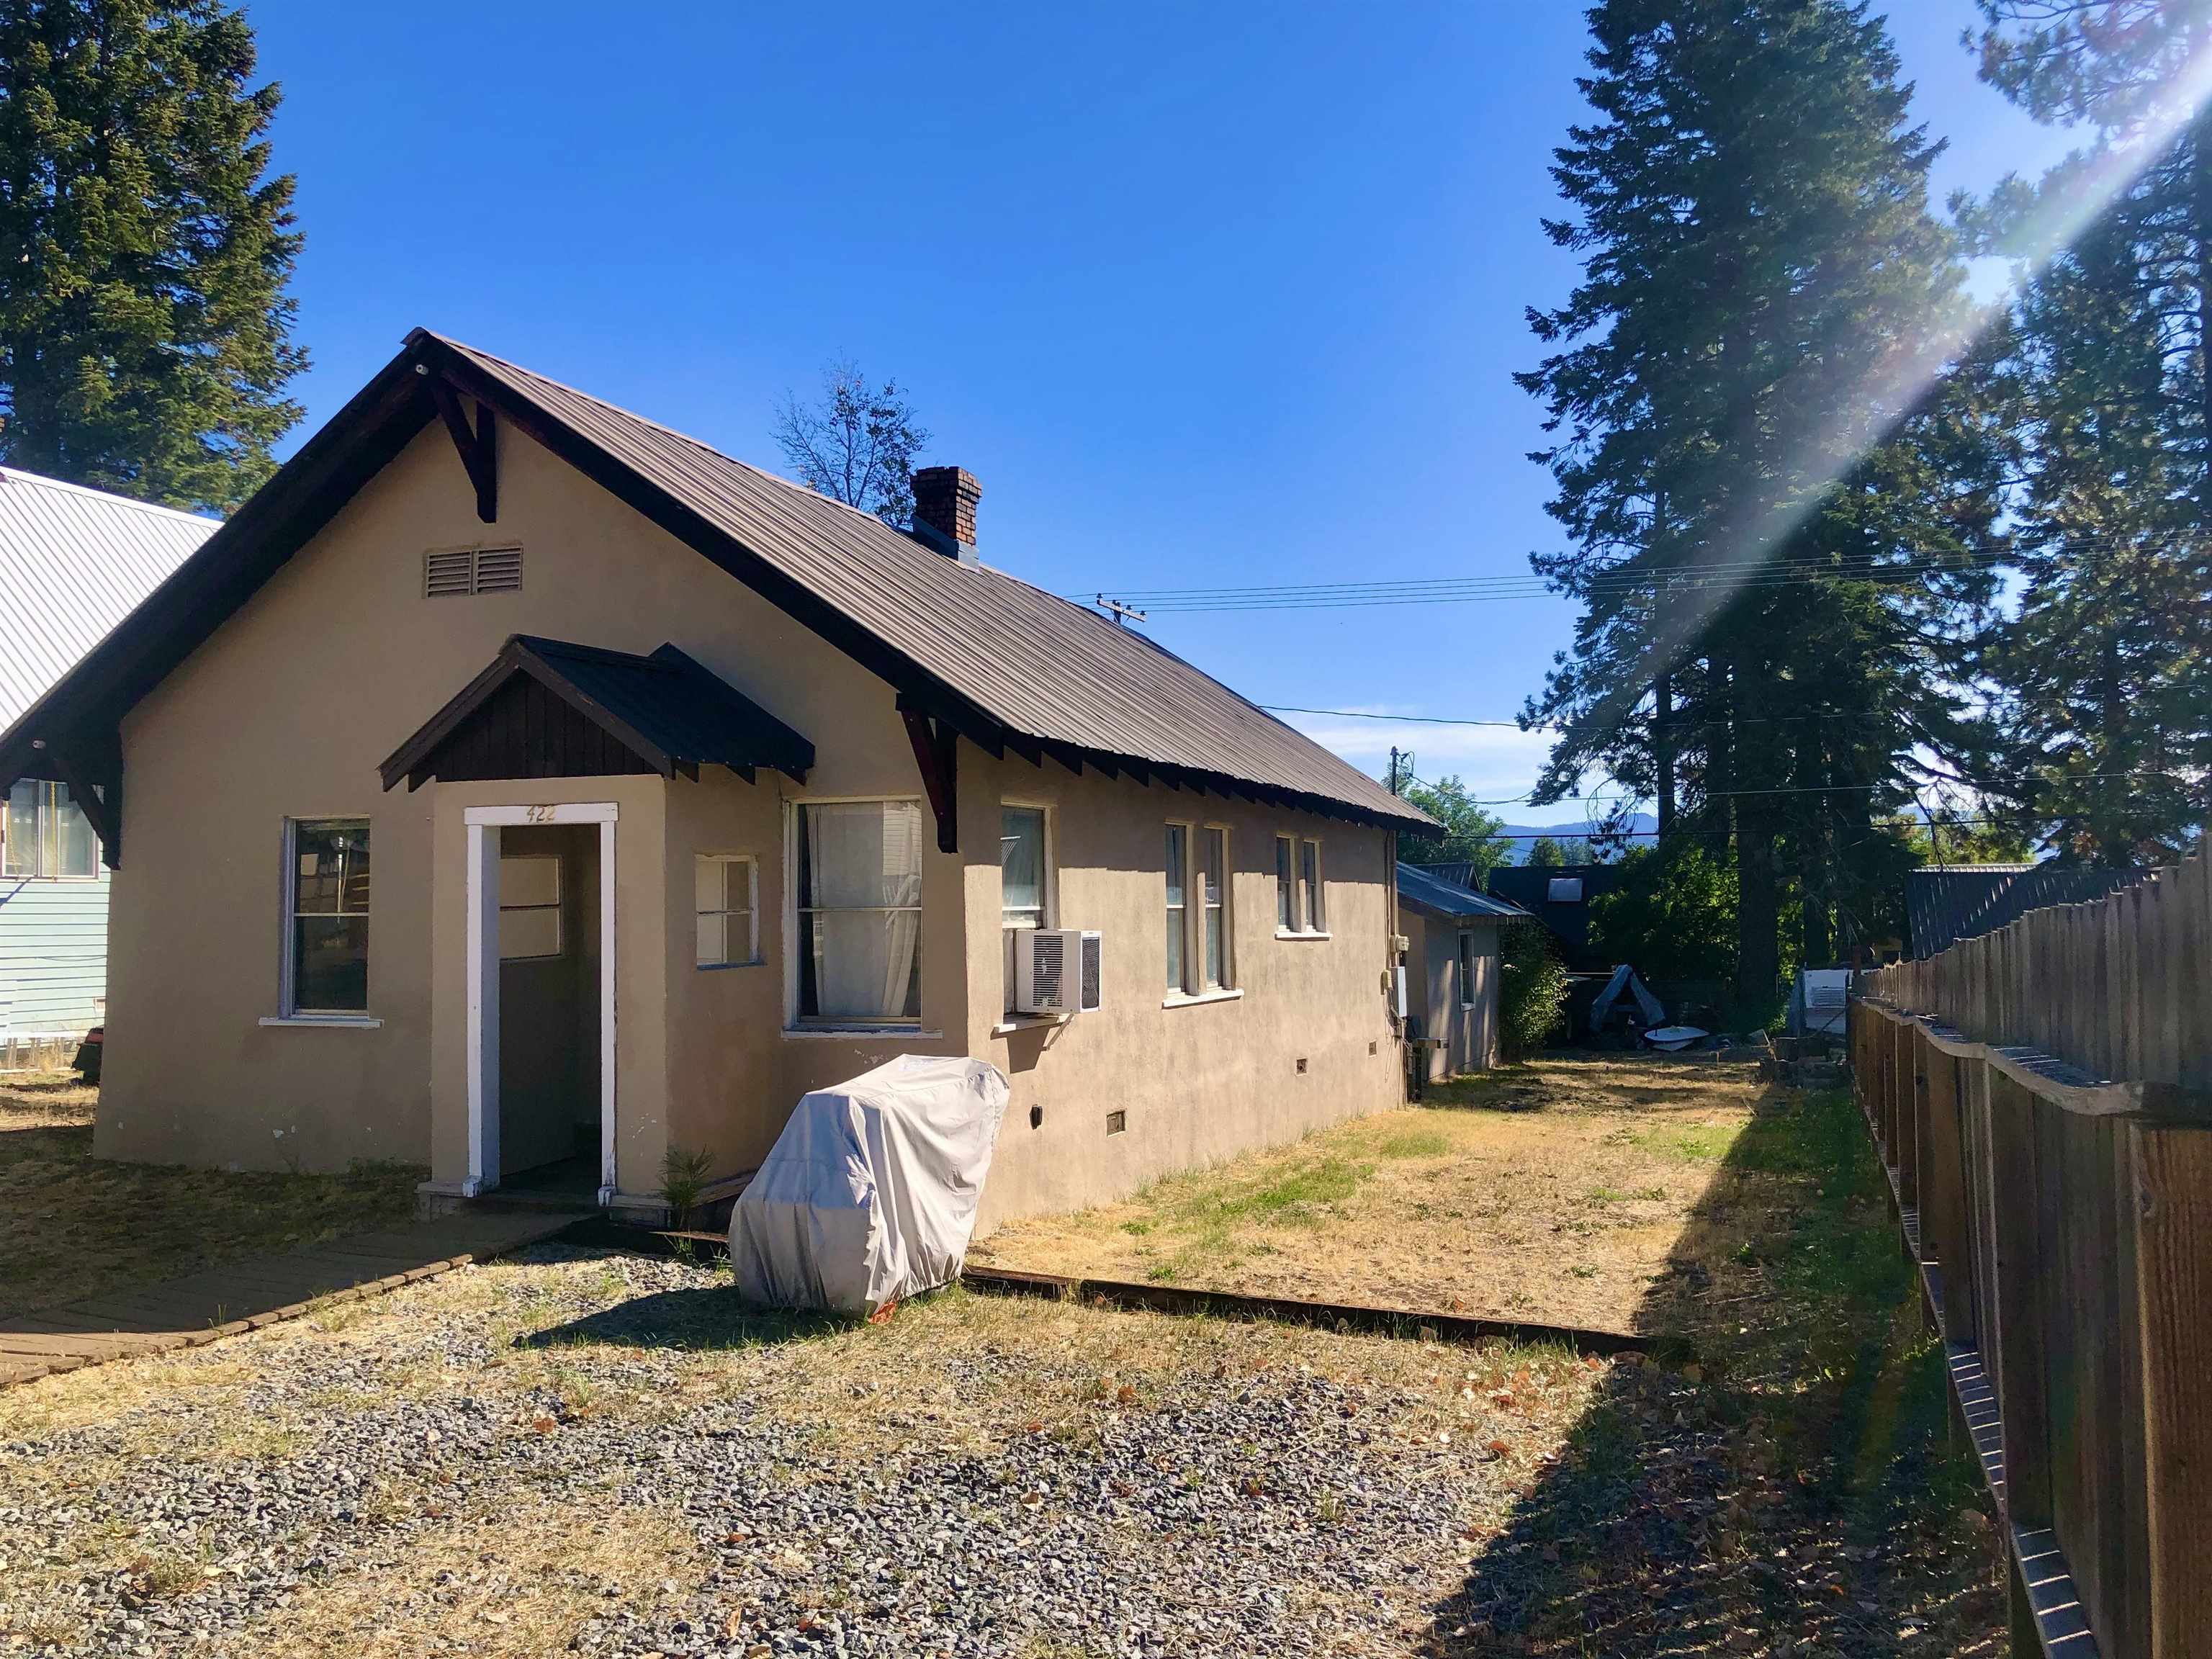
column 2043, row 1099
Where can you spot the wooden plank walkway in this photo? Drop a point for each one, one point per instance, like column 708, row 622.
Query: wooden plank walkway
column 246, row 1295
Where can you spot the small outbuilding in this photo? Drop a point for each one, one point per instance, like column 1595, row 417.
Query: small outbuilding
column 1452, row 978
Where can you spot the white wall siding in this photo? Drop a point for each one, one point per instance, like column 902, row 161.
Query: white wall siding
column 54, row 954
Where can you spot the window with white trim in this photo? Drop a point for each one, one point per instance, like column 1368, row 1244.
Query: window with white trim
column 1214, row 918
column 1024, row 882
column 726, row 905
column 529, row 907
column 1314, row 914
column 48, row 834
column 1178, row 908
column 326, row 916
column 857, row 907
column 1286, row 884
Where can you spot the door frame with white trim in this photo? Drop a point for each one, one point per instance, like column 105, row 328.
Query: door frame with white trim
column 484, row 824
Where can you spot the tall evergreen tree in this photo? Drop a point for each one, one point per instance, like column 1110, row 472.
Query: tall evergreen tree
column 145, row 331
column 2104, row 675
column 1777, row 505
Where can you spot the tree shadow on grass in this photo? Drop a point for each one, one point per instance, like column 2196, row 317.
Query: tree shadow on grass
column 710, row 1318
column 1778, row 1477
column 1612, row 1080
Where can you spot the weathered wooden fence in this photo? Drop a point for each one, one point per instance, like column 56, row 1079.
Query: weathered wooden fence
column 2042, row 1098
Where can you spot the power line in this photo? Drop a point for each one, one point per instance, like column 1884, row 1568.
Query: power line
column 1627, row 577
column 1572, row 726
column 1790, row 789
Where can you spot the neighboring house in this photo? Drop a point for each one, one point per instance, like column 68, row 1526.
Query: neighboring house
column 1452, row 968
column 1946, row 902
column 1558, row 896
column 520, row 788
column 73, row 563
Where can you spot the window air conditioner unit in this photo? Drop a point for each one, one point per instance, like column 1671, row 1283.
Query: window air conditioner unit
column 1057, row 971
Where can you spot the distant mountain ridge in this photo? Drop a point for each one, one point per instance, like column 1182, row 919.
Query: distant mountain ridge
column 1573, row 838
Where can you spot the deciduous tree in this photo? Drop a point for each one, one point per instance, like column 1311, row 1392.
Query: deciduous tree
column 855, row 443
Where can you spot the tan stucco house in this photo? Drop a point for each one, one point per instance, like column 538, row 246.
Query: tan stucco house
column 516, row 786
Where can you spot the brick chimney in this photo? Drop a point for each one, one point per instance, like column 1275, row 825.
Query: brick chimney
column 945, row 500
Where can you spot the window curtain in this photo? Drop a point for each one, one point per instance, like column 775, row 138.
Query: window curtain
column 865, row 860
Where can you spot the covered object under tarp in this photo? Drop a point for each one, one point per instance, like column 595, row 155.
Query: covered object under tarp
column 869, row 1194
column 1624, row 990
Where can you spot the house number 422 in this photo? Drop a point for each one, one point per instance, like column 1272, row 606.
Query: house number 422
column 538, row 814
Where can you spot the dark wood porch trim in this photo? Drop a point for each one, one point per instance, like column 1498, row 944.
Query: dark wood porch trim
column 479, row 448
column 936, row 752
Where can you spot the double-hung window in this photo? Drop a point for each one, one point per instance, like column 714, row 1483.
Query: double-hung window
column 725, row 906
column 857, row 886
column 1213, row 894
column 1023, row 881
column 1313, row 914
column 1178, row 905
column 48, row 833
column 1297, row 888
column 1200, row 954
column 326, row 916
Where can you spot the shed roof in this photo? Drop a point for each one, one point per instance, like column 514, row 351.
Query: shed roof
column 73, row 563
column 668, row 710
column 1425, row 890
column 1003, row 662
column 1946, row 903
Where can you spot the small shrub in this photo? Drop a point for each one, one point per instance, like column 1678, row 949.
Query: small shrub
column 1532, row 994
column 682, row 1181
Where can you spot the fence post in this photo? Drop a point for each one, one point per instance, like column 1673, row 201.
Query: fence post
column 2172, row 1167
column 2016, row 1267
column 1912, row 1129
column 1943, row 1196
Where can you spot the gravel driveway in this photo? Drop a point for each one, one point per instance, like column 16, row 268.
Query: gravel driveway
column 597, row 1454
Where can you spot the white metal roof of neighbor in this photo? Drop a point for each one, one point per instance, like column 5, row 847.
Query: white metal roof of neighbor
column 73, row 563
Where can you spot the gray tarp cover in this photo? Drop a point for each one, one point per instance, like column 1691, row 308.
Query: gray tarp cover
column 869, row 1194
column 1626, row 985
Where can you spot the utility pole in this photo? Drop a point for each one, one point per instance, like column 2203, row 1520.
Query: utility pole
column 1396, row 783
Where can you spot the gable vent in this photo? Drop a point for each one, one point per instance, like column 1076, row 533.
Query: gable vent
column 456, row 571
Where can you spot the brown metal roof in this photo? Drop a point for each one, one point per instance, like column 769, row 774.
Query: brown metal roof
column 1039, row 665
column 1003, row 662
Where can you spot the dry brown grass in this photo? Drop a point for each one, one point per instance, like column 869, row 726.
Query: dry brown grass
column 491, row 1581
column 1554, row 1192
column 503, row 1570
column 72, row 1225
column 1790, row 1492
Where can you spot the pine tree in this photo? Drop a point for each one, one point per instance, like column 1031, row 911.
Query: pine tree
column 2105, row 672
column 144, row 251
column 1778, row 509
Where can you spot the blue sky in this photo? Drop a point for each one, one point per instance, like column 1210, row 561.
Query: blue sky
column 1207, row 296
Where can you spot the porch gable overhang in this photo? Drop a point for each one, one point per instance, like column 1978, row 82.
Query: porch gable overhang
column 549, row 708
